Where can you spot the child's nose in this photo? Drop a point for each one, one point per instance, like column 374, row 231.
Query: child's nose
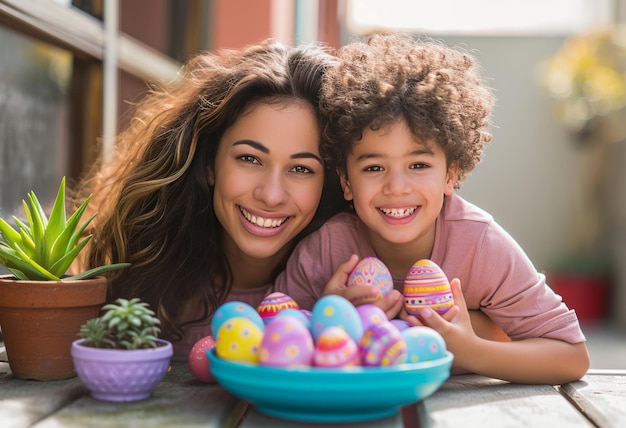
column 398, row 183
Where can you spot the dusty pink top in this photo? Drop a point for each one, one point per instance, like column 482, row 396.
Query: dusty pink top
column 496, row 275
column 193, row 333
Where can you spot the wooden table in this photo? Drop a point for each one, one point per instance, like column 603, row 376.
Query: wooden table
column 599, row 399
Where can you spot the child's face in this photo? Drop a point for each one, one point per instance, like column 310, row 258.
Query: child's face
column 397, row 186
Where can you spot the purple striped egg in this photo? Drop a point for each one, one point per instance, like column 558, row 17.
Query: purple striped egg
column 426, row 285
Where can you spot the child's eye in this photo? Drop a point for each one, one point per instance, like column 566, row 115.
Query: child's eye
column 419, row 165
column 248, row 159
column 373, row 168
column 301, row 169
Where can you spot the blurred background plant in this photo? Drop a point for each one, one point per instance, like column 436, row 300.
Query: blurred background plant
column 586, row 79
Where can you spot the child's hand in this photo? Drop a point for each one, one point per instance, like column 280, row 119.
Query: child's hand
column 454, row 325
column 392, row 303
column 337, row 283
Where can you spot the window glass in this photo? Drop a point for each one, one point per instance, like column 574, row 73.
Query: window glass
column 478, row 16
column 34, row 122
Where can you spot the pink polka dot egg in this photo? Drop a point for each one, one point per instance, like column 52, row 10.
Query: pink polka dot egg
column 198, row 360
column 427, row 285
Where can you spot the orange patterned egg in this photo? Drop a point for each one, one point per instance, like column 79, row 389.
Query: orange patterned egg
column 275, row 303
column 427, row 285
column 335, row 348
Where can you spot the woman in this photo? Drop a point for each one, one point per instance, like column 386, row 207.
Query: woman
column 213, row 183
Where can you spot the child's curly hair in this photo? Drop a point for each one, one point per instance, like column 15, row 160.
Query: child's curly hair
column 435, row 88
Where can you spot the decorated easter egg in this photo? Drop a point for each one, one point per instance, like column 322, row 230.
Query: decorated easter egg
column 400, row 324
column 371, row 271
column 287, row 342
column 198, row 360
column 239, row 339
column 235, row 309
column 427, row 285
column 336, row 311
column 335, row 348
column 296, row 313
column 308, row 314
column 423, row 344
column 382, row 345
column 370, row 314
column 273, row 304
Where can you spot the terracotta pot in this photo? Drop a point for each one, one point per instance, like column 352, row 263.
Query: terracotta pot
column 41, row 319
column 121, row 374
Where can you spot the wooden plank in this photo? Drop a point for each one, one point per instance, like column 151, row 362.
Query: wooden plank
column 255, row 419
column 470, row 400
column 23, row 402
column 179, row 400
column 601, row 396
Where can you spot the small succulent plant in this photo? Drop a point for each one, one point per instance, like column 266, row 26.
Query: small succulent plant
column 125, row 324
column 44, row 249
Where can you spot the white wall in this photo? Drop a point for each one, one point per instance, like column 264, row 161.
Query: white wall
column 529, row 175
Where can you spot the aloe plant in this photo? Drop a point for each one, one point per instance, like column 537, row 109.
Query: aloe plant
column 125, row 324
column 44, row 249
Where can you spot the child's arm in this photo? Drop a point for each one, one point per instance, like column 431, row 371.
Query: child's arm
column 533, row 361
column 391, row 304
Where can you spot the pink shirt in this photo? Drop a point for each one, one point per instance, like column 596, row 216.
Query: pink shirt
column 496, row 275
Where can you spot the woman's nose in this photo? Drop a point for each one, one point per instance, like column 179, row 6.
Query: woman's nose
column 271, row 190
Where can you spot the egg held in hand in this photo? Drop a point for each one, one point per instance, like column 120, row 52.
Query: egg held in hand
column 198, row 360
column 426, row 285
column 371, row 271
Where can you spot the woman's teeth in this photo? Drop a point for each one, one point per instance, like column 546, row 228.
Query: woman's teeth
column 262, row 222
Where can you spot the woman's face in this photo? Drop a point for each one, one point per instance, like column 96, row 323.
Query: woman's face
column 268, row 177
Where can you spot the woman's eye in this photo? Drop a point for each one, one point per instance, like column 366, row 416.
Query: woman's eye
column 301, row 169
column 248, row 158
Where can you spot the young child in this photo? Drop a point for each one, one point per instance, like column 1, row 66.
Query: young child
column 407, row 123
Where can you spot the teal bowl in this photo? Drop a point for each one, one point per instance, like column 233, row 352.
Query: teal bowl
column 314, row 394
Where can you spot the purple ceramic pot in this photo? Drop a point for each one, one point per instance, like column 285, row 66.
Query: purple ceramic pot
column 118, row 374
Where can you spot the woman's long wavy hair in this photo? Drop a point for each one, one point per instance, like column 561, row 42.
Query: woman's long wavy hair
column 154, row 203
